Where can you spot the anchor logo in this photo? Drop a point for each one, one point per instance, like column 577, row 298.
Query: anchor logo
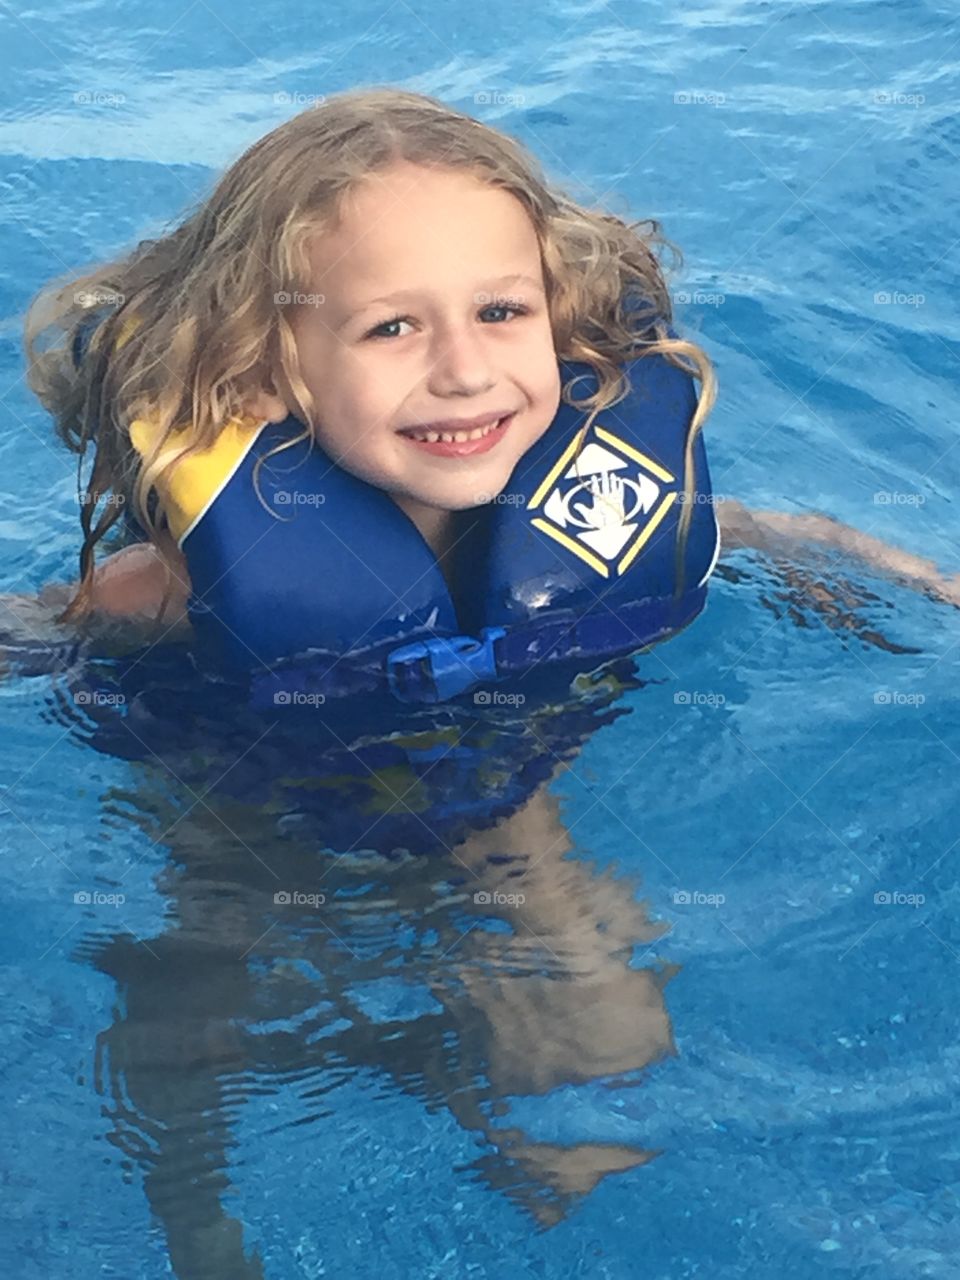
column 604, row 503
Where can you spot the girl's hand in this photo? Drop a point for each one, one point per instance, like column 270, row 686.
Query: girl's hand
column 133, row 583
column 128, row 594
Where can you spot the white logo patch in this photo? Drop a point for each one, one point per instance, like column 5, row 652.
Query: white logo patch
column 605, row 503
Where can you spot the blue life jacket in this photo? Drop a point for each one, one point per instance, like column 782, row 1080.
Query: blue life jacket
column 322, row 584
column 310, row 581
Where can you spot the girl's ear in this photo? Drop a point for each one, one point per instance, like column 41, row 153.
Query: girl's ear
column 266, row 404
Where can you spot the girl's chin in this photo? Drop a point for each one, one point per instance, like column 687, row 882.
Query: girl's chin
column 481, row 487
column 465, row 502
column 466, row 484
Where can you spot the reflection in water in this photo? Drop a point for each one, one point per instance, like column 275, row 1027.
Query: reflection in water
column 420, row 832
column 515, row 956
column 403, row 826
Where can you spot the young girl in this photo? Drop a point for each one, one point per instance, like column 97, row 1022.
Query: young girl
column 389, row 271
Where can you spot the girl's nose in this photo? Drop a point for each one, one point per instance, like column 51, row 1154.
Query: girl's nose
column 460, row 364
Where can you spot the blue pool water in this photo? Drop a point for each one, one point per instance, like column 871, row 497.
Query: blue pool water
column 720, row 1036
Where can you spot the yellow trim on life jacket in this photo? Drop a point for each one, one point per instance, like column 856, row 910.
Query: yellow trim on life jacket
column 553, row 474
column 126, row 331
column 192, row 485
column 572, row 545
column 644, row 537
column 190, row 488
column 653, row 467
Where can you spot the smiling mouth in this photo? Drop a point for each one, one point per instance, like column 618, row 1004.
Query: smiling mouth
column 458, row 444
column 429, row 436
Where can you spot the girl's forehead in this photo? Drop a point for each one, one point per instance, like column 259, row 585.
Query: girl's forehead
column 426, row 195
column 424, row 215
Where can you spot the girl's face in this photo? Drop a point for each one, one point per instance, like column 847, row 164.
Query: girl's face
column 427, row 309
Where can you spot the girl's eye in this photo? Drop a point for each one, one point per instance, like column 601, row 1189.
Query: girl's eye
column 517, row 311
column 376, row 333
column 387, row 324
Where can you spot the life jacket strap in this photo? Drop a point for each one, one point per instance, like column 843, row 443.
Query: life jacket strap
column 442, row 667
column 436, row 669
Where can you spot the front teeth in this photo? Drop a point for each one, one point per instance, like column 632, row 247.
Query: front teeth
column 431, row 437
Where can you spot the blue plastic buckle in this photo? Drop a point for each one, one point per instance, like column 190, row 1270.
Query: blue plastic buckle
column 456, row 664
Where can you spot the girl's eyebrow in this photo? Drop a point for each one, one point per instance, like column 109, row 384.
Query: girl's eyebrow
column 400, row 294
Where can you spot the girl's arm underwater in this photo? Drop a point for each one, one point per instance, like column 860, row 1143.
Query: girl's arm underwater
column 133, row 583
column 787, row 534
column 129, row 590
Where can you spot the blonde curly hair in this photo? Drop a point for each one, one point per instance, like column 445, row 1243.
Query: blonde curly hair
column 208, row 331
